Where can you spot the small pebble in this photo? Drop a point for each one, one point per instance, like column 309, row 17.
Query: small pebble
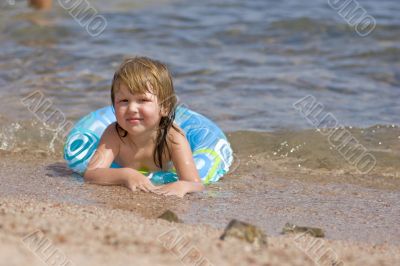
column 170, row 216
column 246, row 232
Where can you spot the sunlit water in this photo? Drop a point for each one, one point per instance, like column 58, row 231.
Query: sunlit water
column 241, row 63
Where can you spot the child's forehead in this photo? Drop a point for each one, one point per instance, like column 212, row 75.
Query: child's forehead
column 124, row 90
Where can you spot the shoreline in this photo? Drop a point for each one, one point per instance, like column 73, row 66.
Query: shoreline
column 103, row 225
column 347, row 207
column 92, row 235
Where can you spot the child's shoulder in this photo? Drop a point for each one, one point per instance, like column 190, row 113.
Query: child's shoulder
column 176, row 134
column 111, row 133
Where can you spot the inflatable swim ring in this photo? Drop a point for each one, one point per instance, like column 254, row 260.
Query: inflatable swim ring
column 212, row 153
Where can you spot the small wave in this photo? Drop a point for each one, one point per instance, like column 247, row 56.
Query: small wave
column 313, row 149
column 316, row 149
column 301, row 24
column 29, row 137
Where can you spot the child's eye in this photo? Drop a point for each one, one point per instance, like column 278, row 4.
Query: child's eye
column 123, row 101
column 144, row 100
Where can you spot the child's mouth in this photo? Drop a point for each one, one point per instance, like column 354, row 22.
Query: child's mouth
column 134, row 120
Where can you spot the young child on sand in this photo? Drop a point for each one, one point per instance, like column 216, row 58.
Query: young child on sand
column 144, row 135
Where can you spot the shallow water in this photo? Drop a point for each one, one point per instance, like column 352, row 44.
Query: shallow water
column 241, row 63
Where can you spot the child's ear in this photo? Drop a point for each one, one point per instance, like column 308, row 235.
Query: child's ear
column 163, row 111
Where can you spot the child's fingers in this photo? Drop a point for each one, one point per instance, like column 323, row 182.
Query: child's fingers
column 159, row 192
column 160, row 188
column 150, row 186
column 167, row 192
column 143, row 188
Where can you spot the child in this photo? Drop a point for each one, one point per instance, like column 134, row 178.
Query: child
column 144, row 135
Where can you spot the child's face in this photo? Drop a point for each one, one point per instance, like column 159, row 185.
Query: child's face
column 136, row 113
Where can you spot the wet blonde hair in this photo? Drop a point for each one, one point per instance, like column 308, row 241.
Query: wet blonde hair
column 137, row 74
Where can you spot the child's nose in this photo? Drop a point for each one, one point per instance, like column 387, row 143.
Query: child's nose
column 133, row 107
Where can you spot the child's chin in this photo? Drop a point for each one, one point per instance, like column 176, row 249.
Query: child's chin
column 133, row 129
column 136, row 130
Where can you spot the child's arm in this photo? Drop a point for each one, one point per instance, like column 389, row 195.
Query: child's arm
column 182, row 157
column 99, row 171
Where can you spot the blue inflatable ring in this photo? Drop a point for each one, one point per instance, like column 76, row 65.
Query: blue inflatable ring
column 211, row 150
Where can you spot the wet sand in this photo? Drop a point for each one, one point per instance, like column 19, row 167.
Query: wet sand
column 109, row 225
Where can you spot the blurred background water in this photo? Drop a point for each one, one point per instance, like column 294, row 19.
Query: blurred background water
column 241, row 63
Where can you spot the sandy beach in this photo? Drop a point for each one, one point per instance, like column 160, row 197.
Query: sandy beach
column 43, row 204
column 103, row 236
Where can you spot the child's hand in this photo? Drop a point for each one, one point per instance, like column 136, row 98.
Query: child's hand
column 179, row 188
column 140, row 182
